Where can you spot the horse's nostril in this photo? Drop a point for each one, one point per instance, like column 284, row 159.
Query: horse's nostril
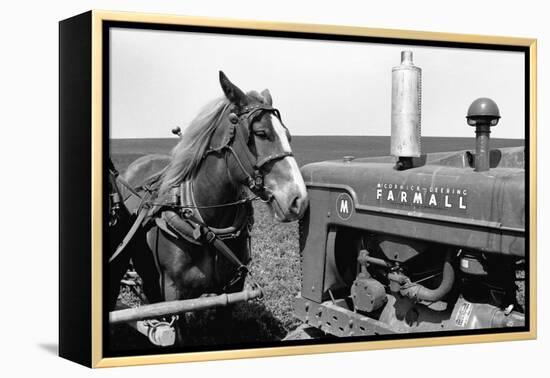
column 296, row 204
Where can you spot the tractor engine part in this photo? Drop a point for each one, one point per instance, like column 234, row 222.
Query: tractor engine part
column 472, row 265
column 367, row 293
column 418, row 292
column 398, row 249
column 406, row 110
column 483, row 113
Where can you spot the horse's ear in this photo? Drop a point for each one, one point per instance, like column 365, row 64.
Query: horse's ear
column 267, row 96
column 232, row 92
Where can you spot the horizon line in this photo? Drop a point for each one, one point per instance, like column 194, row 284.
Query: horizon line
column 334, row 135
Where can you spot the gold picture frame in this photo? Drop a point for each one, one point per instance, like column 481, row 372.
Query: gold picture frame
column 91, row 27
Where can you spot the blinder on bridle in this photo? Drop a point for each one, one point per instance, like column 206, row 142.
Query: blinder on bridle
column 252, row 166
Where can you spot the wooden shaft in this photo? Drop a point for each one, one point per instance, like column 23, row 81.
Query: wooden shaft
column 156, row 310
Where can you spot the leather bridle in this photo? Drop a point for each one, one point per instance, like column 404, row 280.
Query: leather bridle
column 253, row 167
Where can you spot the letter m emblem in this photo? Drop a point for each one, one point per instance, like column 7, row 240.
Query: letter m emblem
column 344, row 206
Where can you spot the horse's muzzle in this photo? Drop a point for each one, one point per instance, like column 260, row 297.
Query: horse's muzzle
column 289, row 206
column 288, row 189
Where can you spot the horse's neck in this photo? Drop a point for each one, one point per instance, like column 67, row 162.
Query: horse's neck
column 213, row 186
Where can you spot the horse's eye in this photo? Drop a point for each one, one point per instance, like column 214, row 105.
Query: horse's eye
column 260, row 133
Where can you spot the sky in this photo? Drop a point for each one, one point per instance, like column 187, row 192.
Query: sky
column 161, row 79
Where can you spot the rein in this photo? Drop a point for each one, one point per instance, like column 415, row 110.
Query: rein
column 226, row 204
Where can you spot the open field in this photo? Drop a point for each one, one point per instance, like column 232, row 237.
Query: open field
column 276, row 262
column 308, row 149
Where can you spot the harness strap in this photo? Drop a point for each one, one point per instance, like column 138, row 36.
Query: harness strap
column 249, row 179
column 211, row 238
column 195, row 231
column 189, row 205
column 261, row 162
column 137, row 224
column 193, row 220
column 182, row 228
column 126, row 184
column 243, row 146
column 217, row 243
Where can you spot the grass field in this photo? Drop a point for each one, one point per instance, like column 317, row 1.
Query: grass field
column 308, row 149
column 275, row 264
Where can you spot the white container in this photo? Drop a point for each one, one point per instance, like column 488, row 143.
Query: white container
column 406, row 108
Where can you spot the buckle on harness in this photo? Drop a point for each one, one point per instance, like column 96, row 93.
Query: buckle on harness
column 187, row 213
column 256, row 182
column 258, row 179
column 241, row 273
column 210, row 236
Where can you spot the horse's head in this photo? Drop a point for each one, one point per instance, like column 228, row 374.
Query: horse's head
column 261, row 150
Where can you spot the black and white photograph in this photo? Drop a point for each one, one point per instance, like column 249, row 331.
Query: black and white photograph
column 275, row 189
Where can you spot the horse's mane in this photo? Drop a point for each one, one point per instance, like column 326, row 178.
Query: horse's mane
column 188, row 153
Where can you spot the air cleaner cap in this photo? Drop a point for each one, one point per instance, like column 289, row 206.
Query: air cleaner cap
column 483, row 110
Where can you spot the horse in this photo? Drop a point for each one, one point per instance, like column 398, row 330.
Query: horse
column 236, row 150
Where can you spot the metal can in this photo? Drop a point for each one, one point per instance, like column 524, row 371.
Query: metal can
column 406, row 108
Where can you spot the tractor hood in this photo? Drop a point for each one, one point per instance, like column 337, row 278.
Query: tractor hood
column 441, row 187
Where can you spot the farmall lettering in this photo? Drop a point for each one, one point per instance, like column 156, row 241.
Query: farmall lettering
column 438, row 197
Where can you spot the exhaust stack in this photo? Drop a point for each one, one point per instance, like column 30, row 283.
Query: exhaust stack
column 406, row 111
